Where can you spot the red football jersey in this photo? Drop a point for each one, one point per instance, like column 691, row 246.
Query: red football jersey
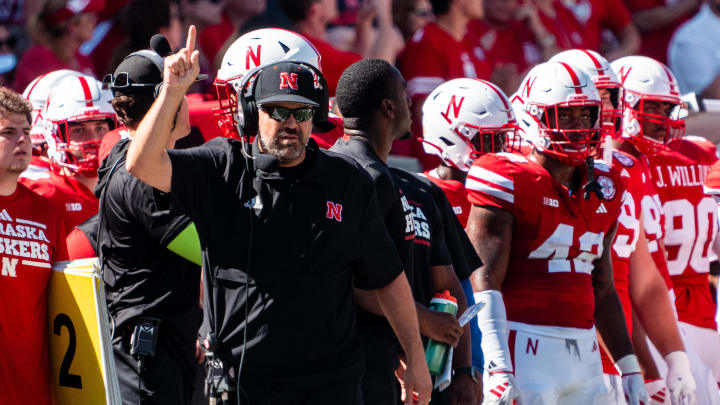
column 626, row 237
column 32, row 237
column 78, row 245
column 564, row 27
column 327, row 139
column 556, row 236
column 596, row 15
column 653, row 220
column 513, row 43
column 431, row 57
column 455, row 193
column 70, row 197
column 690, row 227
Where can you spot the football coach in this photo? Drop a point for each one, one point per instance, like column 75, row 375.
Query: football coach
column 286, row 231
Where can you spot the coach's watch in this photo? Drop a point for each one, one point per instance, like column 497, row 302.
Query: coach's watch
column 471, row 371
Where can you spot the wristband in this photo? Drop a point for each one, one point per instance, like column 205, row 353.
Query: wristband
column 628, row 365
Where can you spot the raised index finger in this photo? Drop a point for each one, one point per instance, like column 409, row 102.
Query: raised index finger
column 190, row 44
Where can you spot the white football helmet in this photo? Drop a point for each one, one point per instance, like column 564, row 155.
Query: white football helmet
column 465, row 118
column 254, row 49
column 645, row 79
column 547, row 87
column 604, row 78
column 76, row 99
column 37, row 93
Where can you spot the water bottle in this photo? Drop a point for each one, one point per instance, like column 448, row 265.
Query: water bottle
column 436, row 352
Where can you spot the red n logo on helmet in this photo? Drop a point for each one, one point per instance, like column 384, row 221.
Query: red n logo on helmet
column 455, row 105
column 288, row 80
column 528, row 86
column 623, row 73
column 255, row 56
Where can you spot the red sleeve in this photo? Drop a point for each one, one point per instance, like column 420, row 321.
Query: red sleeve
column 617, row 16
column 29, row 67
column 334, row 62
column 490, row 182
column 422, row 66
column 61, row 252
column 78, row 245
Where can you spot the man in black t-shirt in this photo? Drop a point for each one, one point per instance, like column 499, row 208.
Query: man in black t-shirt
column 286, row 233
column 441, row 259
column 371, row 96
column 146, row 282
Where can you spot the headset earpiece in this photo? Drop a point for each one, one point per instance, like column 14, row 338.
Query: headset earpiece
column 246, row 99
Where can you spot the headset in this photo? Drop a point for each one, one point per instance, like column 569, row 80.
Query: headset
column 249, row 108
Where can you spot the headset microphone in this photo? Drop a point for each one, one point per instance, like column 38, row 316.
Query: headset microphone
column 160, row 45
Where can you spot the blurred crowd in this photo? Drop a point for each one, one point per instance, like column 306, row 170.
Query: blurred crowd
column 430, row 41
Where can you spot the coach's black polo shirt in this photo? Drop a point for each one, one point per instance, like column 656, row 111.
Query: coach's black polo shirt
column 430, row 248
column 393, row 204
column 316, row 231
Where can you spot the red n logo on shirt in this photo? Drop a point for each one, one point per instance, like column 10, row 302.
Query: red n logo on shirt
column 334, row 211
column 455, row 109
column 288, row 80
column 255, row 56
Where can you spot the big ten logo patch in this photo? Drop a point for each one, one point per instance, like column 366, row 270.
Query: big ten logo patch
column 73, row 207
column 409, row 220
column 421, row 224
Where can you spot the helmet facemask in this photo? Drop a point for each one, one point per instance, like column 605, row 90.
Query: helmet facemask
column 226, row 114
column 673, row 127
column 80, row 157
column 569, row 146
column 612, row 114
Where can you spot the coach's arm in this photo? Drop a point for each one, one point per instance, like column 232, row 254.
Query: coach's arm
column 147, row 158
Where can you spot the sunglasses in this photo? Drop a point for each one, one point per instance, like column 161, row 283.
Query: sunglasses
column 281, row 114
column 121, row 80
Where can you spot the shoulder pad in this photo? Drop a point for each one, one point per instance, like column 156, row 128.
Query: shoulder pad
column 513, row 157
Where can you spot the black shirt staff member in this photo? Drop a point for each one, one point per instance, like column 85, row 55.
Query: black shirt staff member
column 143, row 277
column 316, row 231
column 375, row 113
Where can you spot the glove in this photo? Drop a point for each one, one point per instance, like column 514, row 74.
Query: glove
column 500, row 389
column 680, row 382
column 632, row 380
column 657, row 391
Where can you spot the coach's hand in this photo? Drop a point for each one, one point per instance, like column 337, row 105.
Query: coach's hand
column 182, row 68
column 416, row 381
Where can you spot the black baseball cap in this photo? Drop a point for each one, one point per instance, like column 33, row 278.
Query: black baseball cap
column 286, row 82
column 139, row 73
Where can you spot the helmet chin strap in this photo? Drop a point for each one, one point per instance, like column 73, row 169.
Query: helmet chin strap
column 592, row 186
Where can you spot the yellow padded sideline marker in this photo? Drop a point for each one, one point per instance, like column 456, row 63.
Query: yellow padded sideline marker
column 83, row 370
